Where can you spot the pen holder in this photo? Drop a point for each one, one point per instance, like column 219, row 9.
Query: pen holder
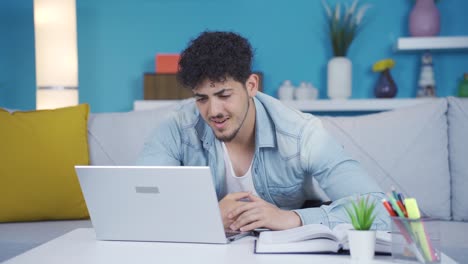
column 415, row 241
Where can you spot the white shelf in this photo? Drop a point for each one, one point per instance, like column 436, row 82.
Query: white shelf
column 432, row 43
column 352, row 105
column 152, row 104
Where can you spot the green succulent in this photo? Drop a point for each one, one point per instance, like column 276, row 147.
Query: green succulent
column 361, row 213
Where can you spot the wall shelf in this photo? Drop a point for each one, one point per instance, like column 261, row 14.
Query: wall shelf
column 432, row 43
column 352, row 105
column 152, row 104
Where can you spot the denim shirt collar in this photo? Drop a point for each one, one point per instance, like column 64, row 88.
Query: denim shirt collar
column 204, row 132
column 264, row 129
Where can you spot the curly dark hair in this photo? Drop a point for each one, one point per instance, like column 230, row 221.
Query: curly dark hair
column 215, row 56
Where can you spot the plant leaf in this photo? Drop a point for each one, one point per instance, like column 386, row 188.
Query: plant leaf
column 361, row 212
column 352, row 216
column 327, row 9
column 344, row 26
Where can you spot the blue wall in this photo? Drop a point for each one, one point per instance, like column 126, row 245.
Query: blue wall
column 17, row 69
column 117, row 42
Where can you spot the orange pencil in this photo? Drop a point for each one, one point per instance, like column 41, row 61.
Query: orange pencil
column 388, row 207
column 402, row 207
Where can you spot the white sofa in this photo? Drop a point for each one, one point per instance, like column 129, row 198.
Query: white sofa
column 421, row 150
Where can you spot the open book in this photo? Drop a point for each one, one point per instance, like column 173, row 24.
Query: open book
column 314, row 238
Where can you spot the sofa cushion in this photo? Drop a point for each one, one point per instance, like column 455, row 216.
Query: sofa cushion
column 118, row 138
column 405, row 148
column 37, row 156
column 458, row 153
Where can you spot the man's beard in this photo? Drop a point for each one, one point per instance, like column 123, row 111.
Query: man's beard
column 229, row 138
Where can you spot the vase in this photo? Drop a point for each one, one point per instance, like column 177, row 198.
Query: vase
column 305, row 91
column 385, row 87
column 286, row 91
column 424, row 20
column 339, row 79
column 361, row 245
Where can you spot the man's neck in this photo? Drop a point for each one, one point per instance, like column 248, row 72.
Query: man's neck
column 245, row 139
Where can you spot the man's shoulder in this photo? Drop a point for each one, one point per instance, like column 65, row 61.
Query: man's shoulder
column 187, row 113
column 285, row 118
column 184, row 114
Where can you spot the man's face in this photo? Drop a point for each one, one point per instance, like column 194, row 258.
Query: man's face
column 224, row 106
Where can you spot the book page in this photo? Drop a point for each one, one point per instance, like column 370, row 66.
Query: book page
column 341, row 232
column 301, row 233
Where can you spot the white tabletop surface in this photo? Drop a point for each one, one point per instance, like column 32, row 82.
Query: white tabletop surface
column 81, row 246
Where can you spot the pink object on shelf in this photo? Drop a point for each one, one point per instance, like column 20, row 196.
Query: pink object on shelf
column 424, row 20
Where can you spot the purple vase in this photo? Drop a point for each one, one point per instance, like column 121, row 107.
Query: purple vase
column 424, row 20
column 385, row 87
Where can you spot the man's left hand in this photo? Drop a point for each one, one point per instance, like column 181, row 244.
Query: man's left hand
column 261, row 214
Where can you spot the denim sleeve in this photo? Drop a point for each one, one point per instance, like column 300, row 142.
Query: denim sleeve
column 340, row 177
column 163, row 147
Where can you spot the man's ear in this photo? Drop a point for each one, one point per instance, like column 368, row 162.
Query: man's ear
column 252, row 84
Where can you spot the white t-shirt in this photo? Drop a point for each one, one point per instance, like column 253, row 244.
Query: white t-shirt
column 236, row 183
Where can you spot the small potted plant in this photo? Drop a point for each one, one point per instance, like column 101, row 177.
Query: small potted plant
column 361, row 239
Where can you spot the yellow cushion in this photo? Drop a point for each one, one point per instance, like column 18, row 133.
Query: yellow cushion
column 38, row 152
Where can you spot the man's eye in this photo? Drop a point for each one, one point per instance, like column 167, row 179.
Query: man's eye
column 201, row 99
column 224, row 95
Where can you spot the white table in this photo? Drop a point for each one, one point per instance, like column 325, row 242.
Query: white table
column 81, row 246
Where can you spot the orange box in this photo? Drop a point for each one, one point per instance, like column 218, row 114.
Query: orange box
column 167, row 63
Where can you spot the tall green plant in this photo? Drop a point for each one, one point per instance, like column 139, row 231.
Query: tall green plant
column 343, row 25
column 361, row 213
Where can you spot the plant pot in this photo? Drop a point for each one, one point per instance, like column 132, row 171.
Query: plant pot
column 424, row 20
column 361, row 245
column 339, row 78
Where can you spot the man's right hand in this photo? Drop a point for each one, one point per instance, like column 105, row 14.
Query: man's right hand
column 229, row 203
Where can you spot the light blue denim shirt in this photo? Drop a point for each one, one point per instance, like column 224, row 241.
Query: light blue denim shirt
column 291, row 149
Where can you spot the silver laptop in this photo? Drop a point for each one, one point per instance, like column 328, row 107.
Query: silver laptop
column 143, row 203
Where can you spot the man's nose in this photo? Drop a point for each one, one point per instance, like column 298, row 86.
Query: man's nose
column 215, row 107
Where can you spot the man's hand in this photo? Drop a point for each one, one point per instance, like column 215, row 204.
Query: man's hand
column 229, row 203
column 260, row 214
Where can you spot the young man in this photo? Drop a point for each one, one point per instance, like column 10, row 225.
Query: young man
column 262, row 154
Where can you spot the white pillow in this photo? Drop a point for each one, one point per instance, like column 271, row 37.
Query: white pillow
column 405, row 148
column 118, row 138
column 458, row 153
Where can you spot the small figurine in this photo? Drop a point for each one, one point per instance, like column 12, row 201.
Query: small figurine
column 426, row 82
column 385, row 86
